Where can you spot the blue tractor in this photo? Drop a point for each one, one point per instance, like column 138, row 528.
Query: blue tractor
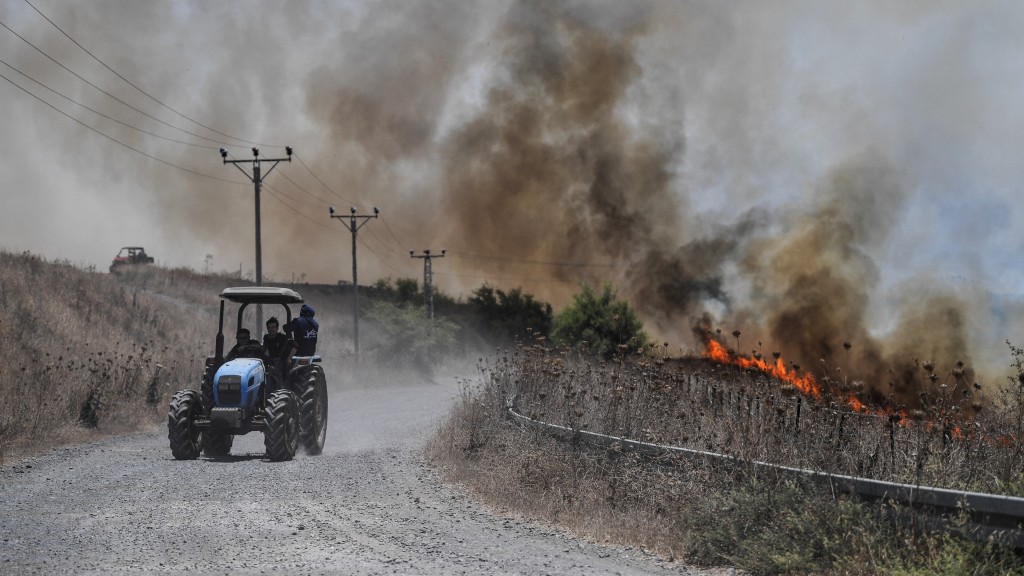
column 247, row 393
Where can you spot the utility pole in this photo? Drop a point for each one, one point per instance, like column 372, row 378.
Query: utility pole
column 428, row 279
column 355, row 222
column 257, row 181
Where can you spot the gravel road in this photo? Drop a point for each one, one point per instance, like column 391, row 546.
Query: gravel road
column 368, row 505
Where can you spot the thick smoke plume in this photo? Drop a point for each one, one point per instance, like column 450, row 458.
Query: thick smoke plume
column 549, row 170
column 835, row 183
column 813, row 296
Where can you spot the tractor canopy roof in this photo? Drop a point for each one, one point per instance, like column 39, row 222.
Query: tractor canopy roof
column 261, row 295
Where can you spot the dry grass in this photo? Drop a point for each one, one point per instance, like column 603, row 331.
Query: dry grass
column 703, row 512
column 89, row 354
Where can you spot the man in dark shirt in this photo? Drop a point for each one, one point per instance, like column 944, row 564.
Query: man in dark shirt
column 304, row 331
column 277, row 348
column 245, row 346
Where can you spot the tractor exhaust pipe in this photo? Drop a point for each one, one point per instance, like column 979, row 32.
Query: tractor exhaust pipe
column 219, row 353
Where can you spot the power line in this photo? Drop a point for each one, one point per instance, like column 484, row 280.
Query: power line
column 133, row 85
column 98, row 113
column 296, row 200
column 538, row 262
column 122, row 102
column 324, row 184
column 336, row 194
column 388, row 228
column 297, row 185
column 214, row 130
column 520, row 280
column 276, row 194
column 385, row 246
column 115, row 140
column 379, row 259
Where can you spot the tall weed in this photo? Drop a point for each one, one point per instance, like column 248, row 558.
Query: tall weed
column 702, row 510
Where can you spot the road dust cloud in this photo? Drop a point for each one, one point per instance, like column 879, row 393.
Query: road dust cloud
column 834, row 183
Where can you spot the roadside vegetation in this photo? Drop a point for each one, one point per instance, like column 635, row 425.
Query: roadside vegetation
column 89, row 354
column 701, row 511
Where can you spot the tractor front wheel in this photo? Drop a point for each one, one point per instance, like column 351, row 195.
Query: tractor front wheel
column 186, row 439
column 282, row 435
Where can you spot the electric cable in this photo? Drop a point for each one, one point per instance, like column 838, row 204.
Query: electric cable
column 324, row 184
column 379, row 259
column 274, row 194
column 98, row 113
column 538, row 262
column 133, row 85
column 122, row 102
column 111, row 138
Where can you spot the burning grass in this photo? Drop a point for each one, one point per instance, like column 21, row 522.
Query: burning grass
column 704, row 512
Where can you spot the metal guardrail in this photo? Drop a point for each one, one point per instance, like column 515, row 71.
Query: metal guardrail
column 991, row 517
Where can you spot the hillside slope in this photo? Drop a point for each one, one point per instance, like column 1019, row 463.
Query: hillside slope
column 86, row 354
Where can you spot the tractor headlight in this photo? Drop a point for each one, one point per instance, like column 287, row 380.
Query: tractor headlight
column 230, row 383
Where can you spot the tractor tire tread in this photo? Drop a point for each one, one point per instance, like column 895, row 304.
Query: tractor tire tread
column 186, row 444
column 314, row 391
column 281, row 437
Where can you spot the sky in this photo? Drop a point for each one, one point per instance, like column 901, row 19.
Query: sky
column 739, row 161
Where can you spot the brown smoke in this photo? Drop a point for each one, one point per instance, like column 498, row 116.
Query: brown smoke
column 813, row 295
column 672, row 149
column 549, row 171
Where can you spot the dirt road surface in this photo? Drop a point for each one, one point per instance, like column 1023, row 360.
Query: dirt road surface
column 368, row 505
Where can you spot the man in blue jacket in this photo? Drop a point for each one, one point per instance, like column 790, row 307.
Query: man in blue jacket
column 303, row 331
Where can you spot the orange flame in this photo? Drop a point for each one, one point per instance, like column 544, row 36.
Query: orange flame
column 807, row 384
column 856, row 404
column 804, row 383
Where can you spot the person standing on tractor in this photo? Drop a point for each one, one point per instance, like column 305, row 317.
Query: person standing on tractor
column 303, row 331
column 277, row 348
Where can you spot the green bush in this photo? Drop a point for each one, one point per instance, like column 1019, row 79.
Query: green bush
column 400, row 291
column 405, row 337
column 512, row 315
column 600, row 323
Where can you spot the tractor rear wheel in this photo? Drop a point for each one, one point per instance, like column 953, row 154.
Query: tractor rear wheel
column 282, row 435
column 217, row 444
column 186, row 439
column 313, row 411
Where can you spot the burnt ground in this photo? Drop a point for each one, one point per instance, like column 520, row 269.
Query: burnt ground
column 368, row 505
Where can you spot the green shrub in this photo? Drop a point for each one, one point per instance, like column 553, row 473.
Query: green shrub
column 600, row 323
column 405, row 337
column 512, row 315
